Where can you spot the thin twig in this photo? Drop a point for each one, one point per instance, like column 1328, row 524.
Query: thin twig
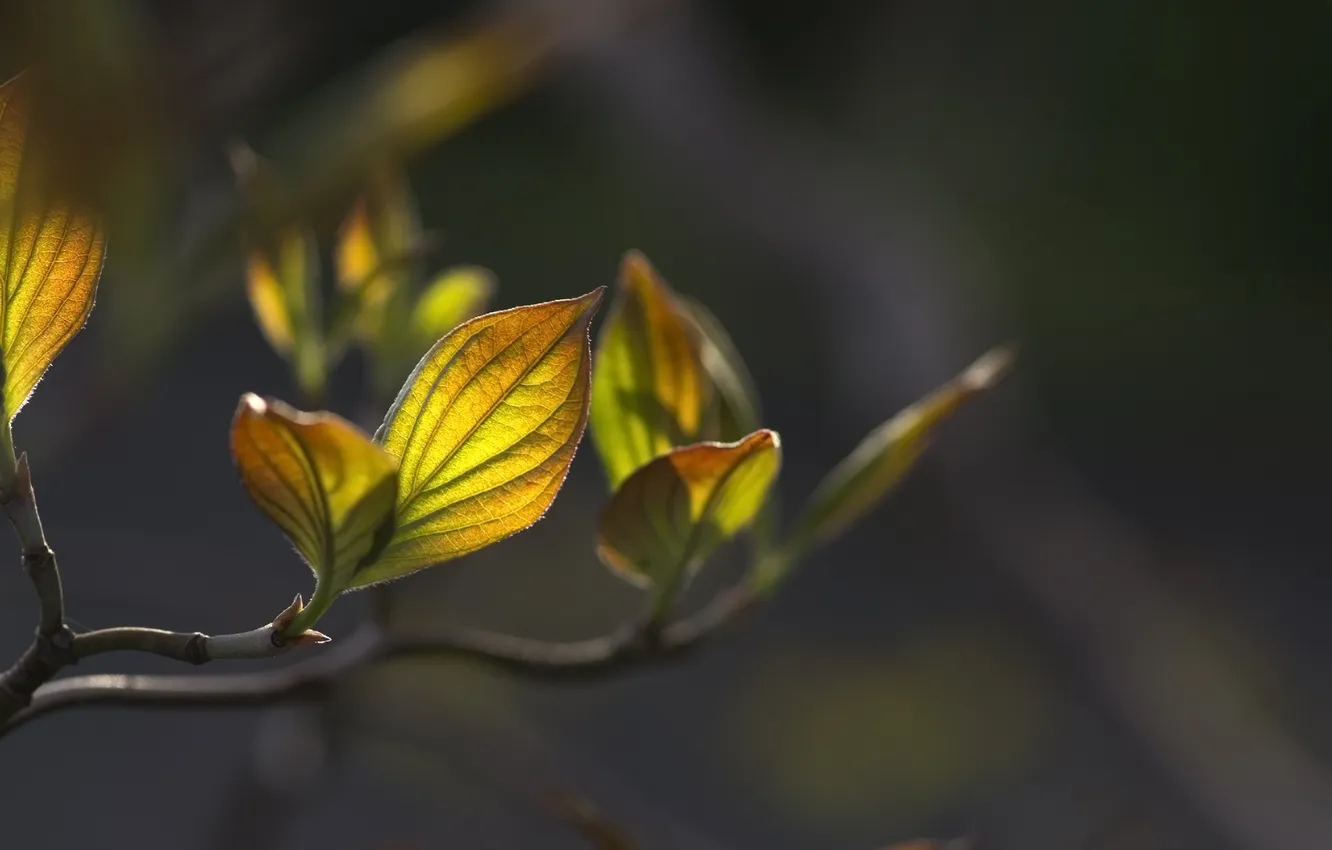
column 20, row 504
column 197, row 647
column 52, row 645
column 181, row 646
column 315, row 676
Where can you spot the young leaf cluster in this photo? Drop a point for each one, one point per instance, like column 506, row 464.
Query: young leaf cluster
column 380, row 303
column 676, row 420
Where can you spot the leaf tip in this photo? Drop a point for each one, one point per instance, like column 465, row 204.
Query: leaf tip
column 767, row 438
column 637, row 272
column 251, row 405
column 594, row 298
column 989, row 368
column 591, row 303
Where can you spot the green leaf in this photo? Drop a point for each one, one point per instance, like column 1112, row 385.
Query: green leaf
column 455, row 296
column 649, row 390
column 886, row 455
column 52, row 255
column 328, row 486
column 667, row 517
column 485, row 429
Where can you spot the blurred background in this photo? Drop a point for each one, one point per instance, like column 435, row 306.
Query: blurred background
column 1094, row 619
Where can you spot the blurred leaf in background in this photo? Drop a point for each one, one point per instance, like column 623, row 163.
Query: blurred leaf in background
column 383, row 305
column 843, row 736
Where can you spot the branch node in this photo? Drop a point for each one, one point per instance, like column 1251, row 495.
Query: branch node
column 36, row 560
column 196, row 649
column 63, row 640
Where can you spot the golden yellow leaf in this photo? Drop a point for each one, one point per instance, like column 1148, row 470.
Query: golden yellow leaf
column 885, row 456
column 51, row 254
column 649, row 389
column 485, row 429
column 356, row 255
column 327, row 485
column 667, row 517
column 455, row 296
column 268, row 299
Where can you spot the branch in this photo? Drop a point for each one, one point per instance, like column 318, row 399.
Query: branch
column 51, row 647
column 20, row 504
column 315, row 677
column 197, row 647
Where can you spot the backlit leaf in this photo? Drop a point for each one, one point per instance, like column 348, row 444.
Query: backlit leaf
column 485, row 429
column 735, row 409
column 51, row 253
column 327, row 485
column 649, row 390
column 455, row 296
column 670, row 514
column 377, row 246
column 885, row 456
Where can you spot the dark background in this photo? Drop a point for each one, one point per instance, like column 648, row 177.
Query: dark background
column 1095, row 618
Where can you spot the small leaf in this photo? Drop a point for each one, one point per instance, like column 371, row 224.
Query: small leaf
column 457, row 295
column 328, row 486
column 667, row 517
column 52, row 256
column 485, row 429
column 885, row 456
column 267, row 294
column 283, row 289
column 649, row 391
column 376, row 246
